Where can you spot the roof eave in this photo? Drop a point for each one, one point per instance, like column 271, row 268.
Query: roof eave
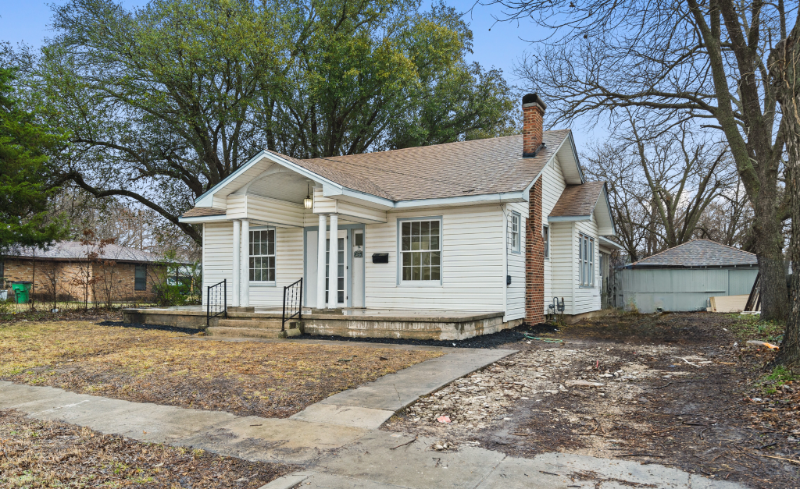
column 569, row 218
column 202, row 219
column 611, row 244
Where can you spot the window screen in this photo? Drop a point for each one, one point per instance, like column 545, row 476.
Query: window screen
column 421, row 250
column 140, row 277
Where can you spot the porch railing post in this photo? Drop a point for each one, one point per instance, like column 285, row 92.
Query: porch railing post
column 225, row 294
column 283, row 316
column 300, row 304
column 208, row 306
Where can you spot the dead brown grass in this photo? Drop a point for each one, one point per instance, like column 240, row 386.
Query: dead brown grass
column 53, row 454
column 246, row 378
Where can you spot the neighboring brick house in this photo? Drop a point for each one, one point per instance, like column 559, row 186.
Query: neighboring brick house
column 73, row 271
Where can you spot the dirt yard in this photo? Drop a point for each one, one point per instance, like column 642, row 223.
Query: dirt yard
column 271, row 380
column 674, row 389
column 53, row 454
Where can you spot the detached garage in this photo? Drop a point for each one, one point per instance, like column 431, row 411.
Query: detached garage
column 683, row 278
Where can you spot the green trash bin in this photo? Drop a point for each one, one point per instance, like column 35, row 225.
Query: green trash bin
column 22, row 290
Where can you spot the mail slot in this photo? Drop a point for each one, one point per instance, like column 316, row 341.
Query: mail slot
column 380, row 258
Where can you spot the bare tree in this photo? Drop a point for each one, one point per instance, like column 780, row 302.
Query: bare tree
column 51, row 282
column 784, row 66
column 129, row 224
column 697, row 60
column 663, row 184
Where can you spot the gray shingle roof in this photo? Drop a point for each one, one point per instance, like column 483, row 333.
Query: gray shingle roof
column 74, row 250
column 578, row 200
column 482, row 166
column 203, row 211
column 698, row 253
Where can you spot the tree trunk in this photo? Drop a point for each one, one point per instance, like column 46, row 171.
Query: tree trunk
column 771, row 261
column 784, row 66
column 790, row 347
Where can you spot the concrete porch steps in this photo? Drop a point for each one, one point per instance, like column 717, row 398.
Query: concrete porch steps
column 251, row 323
column 229, row 332
column 254, row 328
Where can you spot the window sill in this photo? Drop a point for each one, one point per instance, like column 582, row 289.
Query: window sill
column 262, row 284
column 421, row 283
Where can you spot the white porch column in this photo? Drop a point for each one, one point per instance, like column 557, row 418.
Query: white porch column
column 237, row 260
column 244, row 274
column 333, row 270
column 323, row 229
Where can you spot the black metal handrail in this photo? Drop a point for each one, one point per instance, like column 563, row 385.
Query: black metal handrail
column 216, row 301
column 292, row 302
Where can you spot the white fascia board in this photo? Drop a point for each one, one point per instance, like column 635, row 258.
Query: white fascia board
column 206, row 199
column 569, row 218
column 334, row 190
column 575, row 156
column 608, row 207
column 609, row 243
column 201, row 220
column 465, row 200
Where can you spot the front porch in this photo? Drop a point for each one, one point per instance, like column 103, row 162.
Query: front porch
column 374, row 323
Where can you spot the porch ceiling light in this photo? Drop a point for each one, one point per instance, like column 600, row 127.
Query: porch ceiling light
column 308, row 202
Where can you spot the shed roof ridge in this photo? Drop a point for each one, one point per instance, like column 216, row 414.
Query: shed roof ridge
column 686, row 243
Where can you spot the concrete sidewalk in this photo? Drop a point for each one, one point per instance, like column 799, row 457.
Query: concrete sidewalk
column 374, row 462
column 337, row 440
column 371, row 404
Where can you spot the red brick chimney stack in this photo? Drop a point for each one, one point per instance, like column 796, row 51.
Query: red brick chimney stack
column 532, row 125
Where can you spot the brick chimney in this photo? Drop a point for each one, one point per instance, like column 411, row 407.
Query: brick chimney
column 532, row 126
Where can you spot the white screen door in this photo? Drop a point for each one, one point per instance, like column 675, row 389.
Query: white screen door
column 341, row 293
column 357, row 269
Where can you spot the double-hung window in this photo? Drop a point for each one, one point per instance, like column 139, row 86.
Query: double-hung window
column 546, row 238
column 515, row 232
column 262, row 255
column 421, row 250
column 140, row 277
column 586, row 260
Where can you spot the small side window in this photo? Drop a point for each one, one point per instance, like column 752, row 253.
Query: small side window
column 515, row 232
column 546, row 237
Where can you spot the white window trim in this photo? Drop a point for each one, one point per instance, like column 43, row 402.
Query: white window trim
column 517, row 249
column 419, row 283
column 585, row 241
column 546, row 241
column 263, row 283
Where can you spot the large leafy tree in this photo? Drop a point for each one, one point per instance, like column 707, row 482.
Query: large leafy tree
column 165, row 101
column 27, row 177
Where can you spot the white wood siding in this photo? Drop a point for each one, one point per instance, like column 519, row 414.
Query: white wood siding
column 218, row 262
column 515, row 293
column 217, row 255
column 473, row 275
column 586, row 298
column 288, row 268
column 562, row 260
column 265, row 210
column 553, row 185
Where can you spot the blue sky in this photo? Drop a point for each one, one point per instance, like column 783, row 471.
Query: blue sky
column 498, row 45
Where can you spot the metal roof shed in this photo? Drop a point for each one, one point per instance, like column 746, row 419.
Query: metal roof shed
column 683, row 278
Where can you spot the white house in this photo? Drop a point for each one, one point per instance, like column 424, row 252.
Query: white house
column 497, row 225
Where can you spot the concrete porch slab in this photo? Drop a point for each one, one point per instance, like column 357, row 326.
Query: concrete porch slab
column 373, row 323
